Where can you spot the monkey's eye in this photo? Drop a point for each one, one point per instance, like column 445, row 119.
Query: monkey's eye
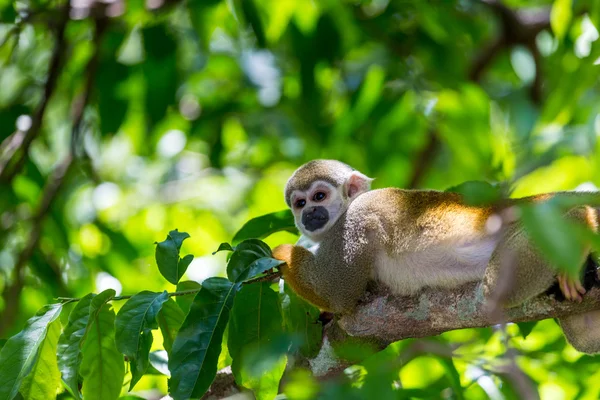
column 319, row 196
column 300, row 203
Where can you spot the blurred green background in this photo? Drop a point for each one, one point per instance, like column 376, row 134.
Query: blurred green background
column 167, row 114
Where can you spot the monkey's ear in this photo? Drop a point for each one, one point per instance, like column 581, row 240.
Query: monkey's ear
column 356, row 184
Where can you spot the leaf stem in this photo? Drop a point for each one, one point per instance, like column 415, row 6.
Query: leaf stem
column 66, row 300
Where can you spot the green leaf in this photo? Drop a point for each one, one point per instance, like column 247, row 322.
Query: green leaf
column 167, row 256
column 559, row 242
column 102, row 366
column 195, row 354
column 134, row 324
column 478, row 193
column 170, row 319
column 242, row 266
column 159, row 360
column 258, row 267
column 43, row 381
column 19, row 354
column 254, row 323
column 223, row 247
column 110, row 76
column 560, row 17
column 185, row 302
column 160, row 72
column 265, row 225
column 525, row 328
column 69, row 344
column 302, row 318
column 253, row 19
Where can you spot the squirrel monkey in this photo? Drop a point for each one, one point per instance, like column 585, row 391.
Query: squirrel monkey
column 410, row 239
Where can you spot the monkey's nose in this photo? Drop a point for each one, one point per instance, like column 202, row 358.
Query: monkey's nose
column 315, row 218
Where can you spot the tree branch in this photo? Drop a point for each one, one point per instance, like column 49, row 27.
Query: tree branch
column 13, row 151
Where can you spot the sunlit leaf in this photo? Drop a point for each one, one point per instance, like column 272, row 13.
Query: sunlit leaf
column 560, row 17
column 69, row 344
column 102, row 366
column 20, row 353
column 195, row 353
column 265, row 225
column 133, row 325
column 43, row 381
column 167, row 256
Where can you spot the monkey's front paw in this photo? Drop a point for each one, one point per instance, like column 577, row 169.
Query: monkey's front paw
column 571, row 288
column 283, row 252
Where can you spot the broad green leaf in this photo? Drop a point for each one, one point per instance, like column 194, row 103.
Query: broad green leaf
column 223, row 247
column 560, row 17
column 43, row 381
column 184, row 302
column 159, row 360
column 258, row 267
column 169, row 320
column 160, row 71
column 302, row 318
column 478, row 193
column 102, row 366
column 110, row 76
column 19, row 354
column 69, row 345
column 254, row 323
column 250, row 258
column 167, row 256
column 193, row 359
column 559, row 242
column 265, row 225
column 133, row 325
column 2, row 343
column 252, row 17
column 525, row 328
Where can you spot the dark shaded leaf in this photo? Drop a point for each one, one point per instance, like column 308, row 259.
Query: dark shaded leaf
column 184, row 302
column 263, row 226
column 160, row 72
column 478, row 193
column 170, row 319
column 223, row 247
column 167, row 256
column 254, row 323
column 253, row 18
column 134, row 324
column 193, row 359
column 525, row 328
column 302, row 318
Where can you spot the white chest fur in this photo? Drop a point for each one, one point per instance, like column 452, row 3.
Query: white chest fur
column 446, row 265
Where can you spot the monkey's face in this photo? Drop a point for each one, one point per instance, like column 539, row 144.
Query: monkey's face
column 317, row 208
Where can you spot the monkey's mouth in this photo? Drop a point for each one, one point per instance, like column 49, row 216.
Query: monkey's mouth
column 315, row 219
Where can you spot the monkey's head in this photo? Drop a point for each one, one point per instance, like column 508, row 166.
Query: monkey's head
column 320, row 191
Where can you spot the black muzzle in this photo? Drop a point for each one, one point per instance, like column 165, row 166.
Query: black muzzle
column 315, row 219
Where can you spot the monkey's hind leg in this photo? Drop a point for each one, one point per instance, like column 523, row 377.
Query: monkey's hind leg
column 516, row 272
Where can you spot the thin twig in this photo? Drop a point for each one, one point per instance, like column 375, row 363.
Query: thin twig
column 264, row 278
column 12, row 159
column 66, row 300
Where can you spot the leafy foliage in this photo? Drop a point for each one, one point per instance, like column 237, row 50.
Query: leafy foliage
column 122, row 119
